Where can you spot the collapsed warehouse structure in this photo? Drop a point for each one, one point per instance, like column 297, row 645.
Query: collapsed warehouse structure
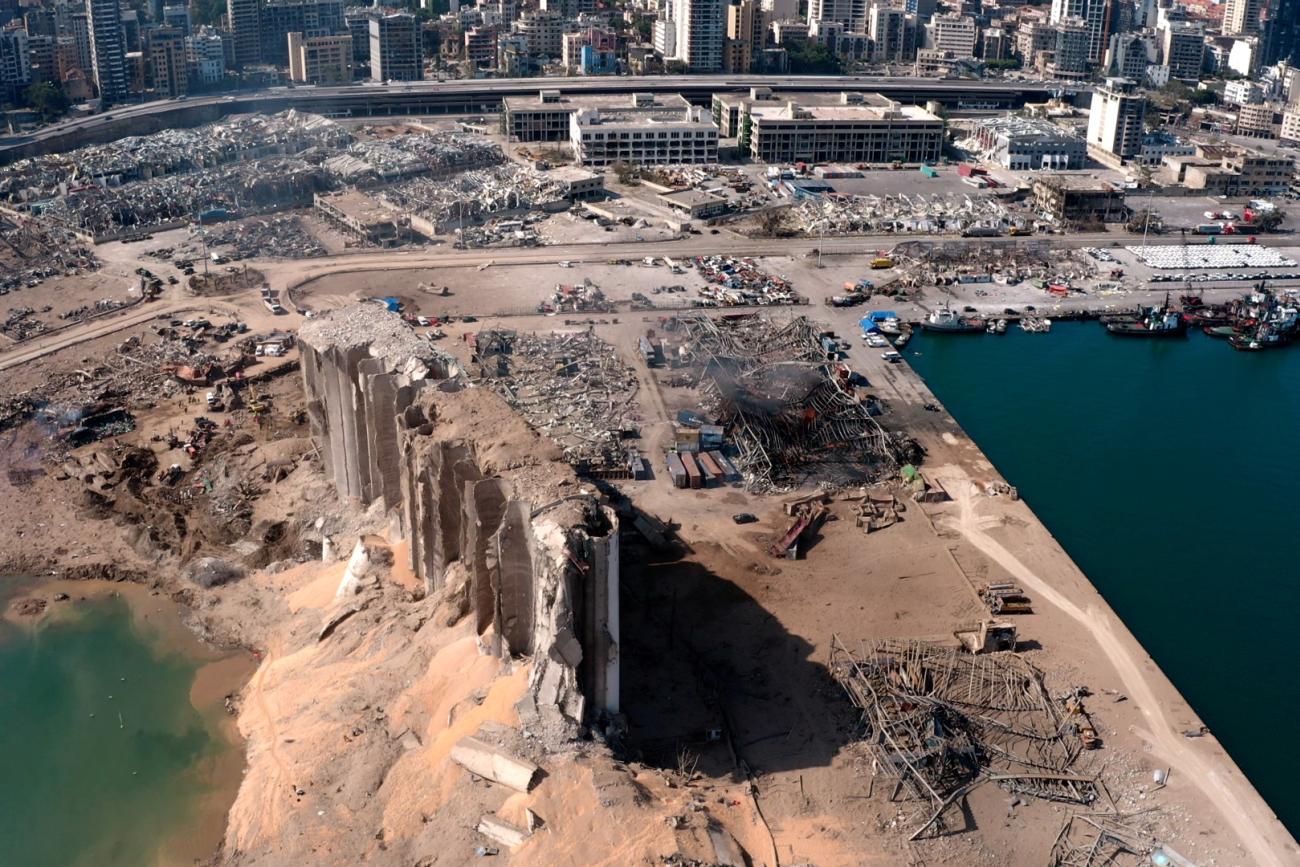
column 902, row 213
column 494, row 517
column 939, row 721
column 789, row 408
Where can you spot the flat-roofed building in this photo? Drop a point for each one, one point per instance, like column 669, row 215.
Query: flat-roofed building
column 320, row 59
column 649, row 129
column 1079, row 199
column 359, row 214
column 544, row 117
column 848, row 128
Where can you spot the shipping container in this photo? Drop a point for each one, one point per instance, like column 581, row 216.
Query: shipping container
column 710, row 435
column 677, row 471
column 692, row 470
column 1209, row 229
column 728, row 468
column 687, row 440
column 930, row 171
column 710, row 466
column 882, row 262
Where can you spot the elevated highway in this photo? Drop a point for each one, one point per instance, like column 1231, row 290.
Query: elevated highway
column 483, row 96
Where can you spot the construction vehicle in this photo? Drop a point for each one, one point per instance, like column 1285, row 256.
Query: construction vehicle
column 1006, row 599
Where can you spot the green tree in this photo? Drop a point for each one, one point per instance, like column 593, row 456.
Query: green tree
column 811, row 58
column 1270, row 221
column 46, row 99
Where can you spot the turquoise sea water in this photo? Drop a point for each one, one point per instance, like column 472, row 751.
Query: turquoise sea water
column 99, row 741
column 1168, row 469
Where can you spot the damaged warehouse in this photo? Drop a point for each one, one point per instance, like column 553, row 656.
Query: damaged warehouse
column 495, row 519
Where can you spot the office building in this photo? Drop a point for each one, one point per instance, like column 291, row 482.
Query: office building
column 952, row 33
column 75, row 28
column 1115, row 121
column 168, row 66
column 245, row 20
column 357, row 21
column 1182, row 49
column 1097, row 17
column 1241, row 17
column 1257, row 120
column 1282, row 33
column 108, row 53
column 320, row 59
column 821, row 128
column 649, row 130
column 395, row 48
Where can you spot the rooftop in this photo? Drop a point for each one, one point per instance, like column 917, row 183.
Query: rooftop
column 367, row 326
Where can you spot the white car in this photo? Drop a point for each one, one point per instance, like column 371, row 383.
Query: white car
column 876, row 341
column 892, row 356
column 424, row 321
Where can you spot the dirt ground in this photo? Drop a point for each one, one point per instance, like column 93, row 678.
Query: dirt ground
column 348, row 737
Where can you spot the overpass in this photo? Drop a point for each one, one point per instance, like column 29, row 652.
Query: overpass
column 483, row 96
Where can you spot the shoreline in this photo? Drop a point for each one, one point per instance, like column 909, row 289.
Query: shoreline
column 162, row 623
column 1069, row 592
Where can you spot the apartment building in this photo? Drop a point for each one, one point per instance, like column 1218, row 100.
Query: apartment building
column 395, row 48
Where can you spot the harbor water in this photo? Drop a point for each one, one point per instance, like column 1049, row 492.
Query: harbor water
column 1166, row 468
column 116, row 750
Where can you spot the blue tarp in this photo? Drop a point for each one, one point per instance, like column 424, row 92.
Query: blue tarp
column 394, row 305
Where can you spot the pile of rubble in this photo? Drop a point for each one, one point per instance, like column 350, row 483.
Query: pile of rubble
column 499, row 233
column 21, row 323
column 569, row 386
column 257, row 185
column 843, row 214
column 86, row 311
column 735, row 282
column 466, row 196
column 31, row 253
column 586, row 298
column 171, row 151
column 940, row 721
column 375, row 161
column 791, row 413
column 937, row 264
column 282, row 236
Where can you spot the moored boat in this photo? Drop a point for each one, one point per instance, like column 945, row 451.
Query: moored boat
column 1154, row 322
column 945, row 321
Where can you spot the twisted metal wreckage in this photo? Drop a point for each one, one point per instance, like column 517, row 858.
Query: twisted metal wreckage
column 941, row 722
column 790, row 411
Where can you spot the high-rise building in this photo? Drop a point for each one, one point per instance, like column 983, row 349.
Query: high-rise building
column 245, row 20
column 1282, row 33
column 1129, row 55
column 1097, row 16
column 42, row 58
column 178, row 17
column 892, row 33
column 851, row 13
column 746, row 26
column 1115, row 121
column 357, row 20
column 700, row 28
column 15, row 71
column 781, row 10
column 107, row 51
column 311, row 18
column 167, row 61
column 75, row 26
column 395, row 48
column 1182, row 49
column 1241, row 17
column 320, row 59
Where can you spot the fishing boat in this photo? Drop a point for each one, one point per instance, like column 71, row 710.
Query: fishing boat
column 1154, row 322
column 945, row 321
column 1001, row 327
column 1033, row 325
column 904, row 336
column 1260, row 339
column 1221, row 332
